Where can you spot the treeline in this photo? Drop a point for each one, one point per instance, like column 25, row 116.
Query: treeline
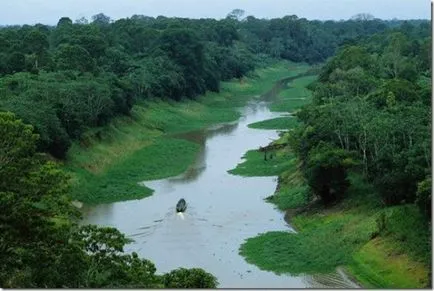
column 68, row 78
column 371, row 112
column 74, row 76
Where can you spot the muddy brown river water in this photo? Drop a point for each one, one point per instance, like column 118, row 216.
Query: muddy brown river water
column 223, row 210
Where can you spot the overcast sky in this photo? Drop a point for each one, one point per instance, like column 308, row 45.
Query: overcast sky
column 49, row 11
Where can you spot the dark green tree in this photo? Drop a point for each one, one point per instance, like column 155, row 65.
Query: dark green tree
column 189, row 278
column 326, row 172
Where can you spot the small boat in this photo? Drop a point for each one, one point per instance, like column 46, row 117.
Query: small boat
column 181, row 206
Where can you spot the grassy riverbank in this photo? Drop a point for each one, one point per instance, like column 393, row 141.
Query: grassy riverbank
column 256, row 165
column 349, row 235
column 107, row 164
column 294, row 96
column 380, row 247
column 275, row 123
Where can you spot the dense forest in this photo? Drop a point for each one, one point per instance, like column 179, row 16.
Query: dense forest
column 78, row 75
column 371, row 109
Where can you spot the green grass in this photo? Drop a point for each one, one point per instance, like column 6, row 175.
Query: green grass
column 348, row 235
column 276, row 123
column 255, row 165
column 318, row 249
column 164, row 158
column 236, row 93
column 149, row 120
column 295, row 96
column 287, row 198
column 405, row 224
column 173, row 117
column 292, row 191
column 326, row 240
column 377, row 264
column 108, row 162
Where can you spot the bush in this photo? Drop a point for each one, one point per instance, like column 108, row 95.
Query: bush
column 326, row 172
column 189, row 278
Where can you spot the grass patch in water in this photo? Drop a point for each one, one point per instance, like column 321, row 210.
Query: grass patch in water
column 276, row 123
column 289, row 197
column 292, row 191
column 318, row 249
column 164, row 158
column 256, row 165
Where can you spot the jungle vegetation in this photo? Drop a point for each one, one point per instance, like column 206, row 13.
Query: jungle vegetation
column 371, row 107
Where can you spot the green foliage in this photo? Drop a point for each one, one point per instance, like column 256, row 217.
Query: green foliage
column 347, row 58
column 144, row 57
column 86, row 74
column 405, row 224
column 74, row 57
column 373, row 98
column 189, row 278
column 367, row 91
column 17, row 146
column 158, row 77
column 16, row 62
column 62, row 106
column 32, row 192
column 184, row 48
column 326, row 172
column 108, row 267
column 52, row 136
column 267, row 163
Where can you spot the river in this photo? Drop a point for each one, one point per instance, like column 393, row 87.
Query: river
column 223, row 210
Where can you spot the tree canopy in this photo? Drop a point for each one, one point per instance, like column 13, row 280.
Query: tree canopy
column 371, row 99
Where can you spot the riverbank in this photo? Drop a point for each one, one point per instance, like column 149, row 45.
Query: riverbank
column 379, row 247
column 346, row 235
column 107, row 164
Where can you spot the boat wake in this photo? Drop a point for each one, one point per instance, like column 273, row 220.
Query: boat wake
column 180, row 214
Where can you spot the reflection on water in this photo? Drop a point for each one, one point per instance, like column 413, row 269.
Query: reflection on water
column 105, row 210
column 223, row 210
column 200, row 137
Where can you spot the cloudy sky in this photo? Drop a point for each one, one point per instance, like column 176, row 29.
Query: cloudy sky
column 49, row 11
